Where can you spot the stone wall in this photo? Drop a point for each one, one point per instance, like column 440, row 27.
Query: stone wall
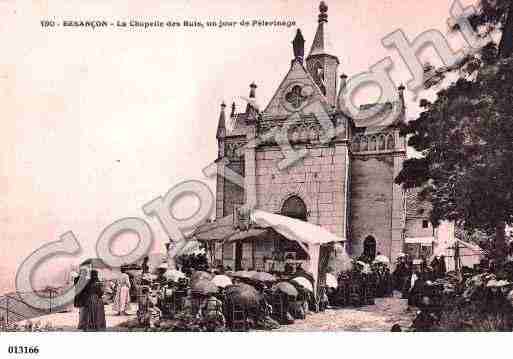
column 319, row 180
column 233, row 194
column 371, row 202
column 414, row 228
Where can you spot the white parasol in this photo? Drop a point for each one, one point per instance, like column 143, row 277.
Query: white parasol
column 382, row 259
column 305, row 283
column 174, row 275
column 222, row 281
column 331, row 281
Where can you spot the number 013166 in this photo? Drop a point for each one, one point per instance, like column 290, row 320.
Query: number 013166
column 23, row 349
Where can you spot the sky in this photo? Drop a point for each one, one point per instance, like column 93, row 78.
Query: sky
column 96, row 123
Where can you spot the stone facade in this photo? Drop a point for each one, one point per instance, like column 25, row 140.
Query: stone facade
column 346, row 167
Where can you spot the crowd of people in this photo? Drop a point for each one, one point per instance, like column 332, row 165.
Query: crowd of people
column 196, row 297
column 459, row 300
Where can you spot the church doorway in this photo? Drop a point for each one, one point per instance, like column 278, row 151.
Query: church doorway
column 369, row 247
column 294, row 207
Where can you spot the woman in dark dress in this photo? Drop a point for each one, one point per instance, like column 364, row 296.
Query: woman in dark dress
column 92, row 313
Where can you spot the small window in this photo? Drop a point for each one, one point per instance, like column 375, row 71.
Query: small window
column 425, row 224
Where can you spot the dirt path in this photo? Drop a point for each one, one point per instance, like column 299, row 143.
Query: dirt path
column 378, row 317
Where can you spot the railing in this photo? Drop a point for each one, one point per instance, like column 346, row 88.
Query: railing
column 13, row 309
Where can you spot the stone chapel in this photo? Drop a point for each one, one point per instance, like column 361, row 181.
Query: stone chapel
column 344, row 183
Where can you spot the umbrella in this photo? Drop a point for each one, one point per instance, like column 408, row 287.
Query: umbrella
column 331, row 281
column 492, row 283
column 340, row 260
column 286, row 288
column 222, row 281
column 174, row 275
column 243, row 294
column 263, row 277
column 502, row 283
column 243, row 274
column 305, row 283
column 204, row 287
column 198, row 275
column 365, row 267
column 509, row 298
column 382, row 259
column 149, row 277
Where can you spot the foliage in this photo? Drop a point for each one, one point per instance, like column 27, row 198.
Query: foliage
column 470, row 318
column 465, row 137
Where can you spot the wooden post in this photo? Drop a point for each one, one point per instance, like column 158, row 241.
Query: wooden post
column 7, row 311
column 253, row 246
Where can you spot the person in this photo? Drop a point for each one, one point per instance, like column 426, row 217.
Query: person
column 122, row 297
column 396, row 328
column 400, row 273
column 323, row 301
column 426, row 320
column 144, row 266
column 144, row 305
column 92, row 315
column 213, row 314
column 443, row 267
column 435, row 264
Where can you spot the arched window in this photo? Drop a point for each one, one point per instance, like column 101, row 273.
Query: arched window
column 390, row 142
column 372, row 143
column 381, row 142
column 356, row 144
column 314, row 134
column 294, row 207
column 369, row 247
column 363, row 144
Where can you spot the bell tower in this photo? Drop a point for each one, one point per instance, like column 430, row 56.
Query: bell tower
column 320, row 63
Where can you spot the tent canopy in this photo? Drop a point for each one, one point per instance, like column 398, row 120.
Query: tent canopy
column 222, row 229
column 294, row 229
column 444, row 247
column 308, row 235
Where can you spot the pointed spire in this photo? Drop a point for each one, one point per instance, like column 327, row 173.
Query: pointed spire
column 252, row 88
column 401, row 89
column 343, row 81
column 298, row 45
column 232, row 114
column 320, row 43
column 221, row 125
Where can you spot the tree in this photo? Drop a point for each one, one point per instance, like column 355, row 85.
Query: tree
column 465, row 136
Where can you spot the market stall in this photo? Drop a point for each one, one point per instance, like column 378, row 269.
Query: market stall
column 268, row 229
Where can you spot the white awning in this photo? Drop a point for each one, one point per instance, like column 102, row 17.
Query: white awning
column 294, row 229
column 419, row 240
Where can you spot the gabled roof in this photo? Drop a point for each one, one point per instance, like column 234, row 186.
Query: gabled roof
column 238, row 125
column 296, row 73
column 372, row 117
